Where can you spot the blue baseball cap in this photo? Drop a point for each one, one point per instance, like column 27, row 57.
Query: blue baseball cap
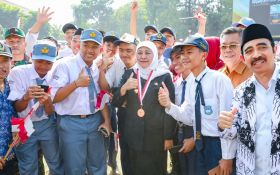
column 196, row 41
column 111, row 36
column 150, row 27
column 44, row 51
column 92, row 35
column 167, row 53
column 127, row 38
column 158, row 37
column 245, row 21
column 169, row 30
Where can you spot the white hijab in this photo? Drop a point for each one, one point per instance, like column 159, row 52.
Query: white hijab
column 144, row 72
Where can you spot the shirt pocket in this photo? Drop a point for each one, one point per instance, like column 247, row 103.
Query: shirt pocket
column 210, row 110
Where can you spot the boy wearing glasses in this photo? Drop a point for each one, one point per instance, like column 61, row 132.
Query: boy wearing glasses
column 230, row 50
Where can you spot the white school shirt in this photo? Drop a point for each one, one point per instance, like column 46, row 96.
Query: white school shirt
column 20, row 79
column 218, row 93
column 115, row 72
column 162, row 64
column 66, row 72
column 65, row 52
column 30, row 39
column 178, row 85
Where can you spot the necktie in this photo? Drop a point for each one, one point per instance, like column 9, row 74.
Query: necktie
column 39, row 112
column 198, row 97
column 184, row 82
column 91, row 90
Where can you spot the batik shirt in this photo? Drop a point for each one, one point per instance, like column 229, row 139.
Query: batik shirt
column 6, row 113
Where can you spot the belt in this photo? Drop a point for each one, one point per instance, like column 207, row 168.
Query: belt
column 81, row 116
column 84, row 116
column 211, row 137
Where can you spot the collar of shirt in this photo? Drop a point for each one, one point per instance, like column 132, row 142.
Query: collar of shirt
column 82, row 64
column 239, row 69
column 273, row 79
column 180, row 78
column 134, row 67
column 202, row 73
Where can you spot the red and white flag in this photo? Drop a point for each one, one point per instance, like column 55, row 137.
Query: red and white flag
column 102, row 98
column 24, row 126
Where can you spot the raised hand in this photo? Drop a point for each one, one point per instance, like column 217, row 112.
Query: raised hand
column 44, row 15
column 163, row 96
column 83, row 79
column 134, row 6
column 200, row 16
column 107, row 60
column 226, row 119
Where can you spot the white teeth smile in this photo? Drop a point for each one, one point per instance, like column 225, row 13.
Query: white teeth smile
column 258, row 62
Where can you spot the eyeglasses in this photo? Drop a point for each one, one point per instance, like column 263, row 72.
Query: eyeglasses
column 231, row 46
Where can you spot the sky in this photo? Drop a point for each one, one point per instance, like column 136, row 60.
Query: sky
column 62, row 8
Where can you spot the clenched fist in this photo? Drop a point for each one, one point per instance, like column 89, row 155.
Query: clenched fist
column 226, row 119
column 131, row 83
column 83, row 79
column 163, row 96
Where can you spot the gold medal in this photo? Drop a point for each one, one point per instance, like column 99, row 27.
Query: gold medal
column 135, row 91
column 141, row 112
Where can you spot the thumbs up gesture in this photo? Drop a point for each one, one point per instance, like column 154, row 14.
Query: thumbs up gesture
column 131, row 83
column 163, row 96
column 83, row 79
column 226, row 119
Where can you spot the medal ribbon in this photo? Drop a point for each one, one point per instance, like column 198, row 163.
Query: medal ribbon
column 142, row 92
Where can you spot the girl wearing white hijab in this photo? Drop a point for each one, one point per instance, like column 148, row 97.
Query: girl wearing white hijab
column 148, row 129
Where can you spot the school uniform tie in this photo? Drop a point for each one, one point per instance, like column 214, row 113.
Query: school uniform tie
column 184, row 82
column 198, row 97
column 40, row 111
column 91, row 90
column 181, row 125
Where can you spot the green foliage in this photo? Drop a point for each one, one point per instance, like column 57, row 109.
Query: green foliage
column 99, row 14
column 29, row 19
column 55, row 31
column 160, row 13
column 93, row 13
column 9, row 16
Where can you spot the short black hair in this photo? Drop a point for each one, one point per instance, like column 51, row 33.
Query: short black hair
column 53, row 39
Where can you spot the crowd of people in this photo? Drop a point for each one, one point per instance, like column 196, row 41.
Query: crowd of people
column 212, row 102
